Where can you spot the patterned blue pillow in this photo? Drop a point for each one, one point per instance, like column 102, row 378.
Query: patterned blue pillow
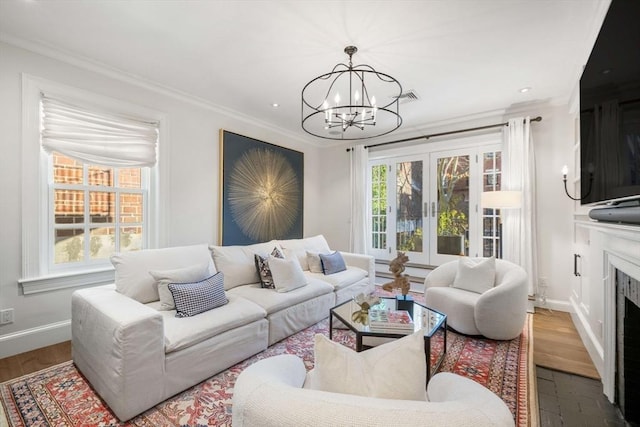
column 332, row 263
column 198, row 297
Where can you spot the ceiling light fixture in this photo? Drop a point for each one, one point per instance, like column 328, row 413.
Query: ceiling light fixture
column 525, row 89
column 353, row 99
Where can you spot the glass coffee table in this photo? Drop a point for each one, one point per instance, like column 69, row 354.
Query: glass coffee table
column 433, row 323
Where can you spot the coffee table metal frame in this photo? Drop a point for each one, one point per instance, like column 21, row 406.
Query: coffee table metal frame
column 424, row 318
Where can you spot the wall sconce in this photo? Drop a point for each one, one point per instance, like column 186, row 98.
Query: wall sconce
column 565, row 171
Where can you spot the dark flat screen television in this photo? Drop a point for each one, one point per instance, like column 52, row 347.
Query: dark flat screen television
column 610, row 110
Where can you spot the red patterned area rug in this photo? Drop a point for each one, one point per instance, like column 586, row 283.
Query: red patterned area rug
column 61, row 396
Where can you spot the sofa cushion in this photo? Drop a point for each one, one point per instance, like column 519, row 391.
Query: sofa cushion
column 475, row 274
column 402, row 361
column 332, row 263
column 191, row 274
column 273, row 302
column 287, row 274
column 238, row 262
column 262, row 266
column 132, row 268
column 180, row 333
column 299, row 248
column 342, row 279
column 198, row 297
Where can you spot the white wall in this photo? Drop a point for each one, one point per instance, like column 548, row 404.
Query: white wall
column 552, row 141
column 190, row 196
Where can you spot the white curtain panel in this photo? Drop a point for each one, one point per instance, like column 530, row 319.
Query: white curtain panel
column 518, row 174
column 358, row 234
column 97, row 137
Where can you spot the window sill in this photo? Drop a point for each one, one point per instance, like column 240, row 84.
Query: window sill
column 67, row 280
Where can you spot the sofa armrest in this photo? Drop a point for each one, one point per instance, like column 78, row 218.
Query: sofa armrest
column 118, row 344
column 365, row 262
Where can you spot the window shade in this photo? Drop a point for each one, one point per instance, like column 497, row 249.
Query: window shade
column 97, row 137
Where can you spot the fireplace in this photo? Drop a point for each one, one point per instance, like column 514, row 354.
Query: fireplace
column 628, row 345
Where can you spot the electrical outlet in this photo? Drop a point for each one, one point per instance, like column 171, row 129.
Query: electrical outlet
column 6, row 316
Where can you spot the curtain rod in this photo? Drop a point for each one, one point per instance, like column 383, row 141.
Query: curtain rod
column 452, row 132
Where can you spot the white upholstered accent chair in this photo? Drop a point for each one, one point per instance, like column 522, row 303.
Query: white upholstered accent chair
column 498, row 313
column 272, row 393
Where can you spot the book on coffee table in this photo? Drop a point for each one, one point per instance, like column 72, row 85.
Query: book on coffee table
column 390, row 320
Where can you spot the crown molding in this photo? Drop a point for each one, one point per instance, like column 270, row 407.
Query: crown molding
column 88, row 64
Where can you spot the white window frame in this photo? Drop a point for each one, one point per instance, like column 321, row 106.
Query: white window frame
column 87, row 225
column 37, row 274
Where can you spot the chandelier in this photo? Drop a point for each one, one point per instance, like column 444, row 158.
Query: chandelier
column 351, row 102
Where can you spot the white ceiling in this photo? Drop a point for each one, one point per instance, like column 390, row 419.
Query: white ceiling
column 463, row 58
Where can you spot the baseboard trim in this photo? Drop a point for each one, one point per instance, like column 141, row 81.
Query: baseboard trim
column 34, row 338
column 555, row 304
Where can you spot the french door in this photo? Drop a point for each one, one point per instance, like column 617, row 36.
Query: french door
column 397, row 203
column 427, row 204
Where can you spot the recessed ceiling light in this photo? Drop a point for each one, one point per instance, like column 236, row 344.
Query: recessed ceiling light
column 275, row 105
column 525, row 89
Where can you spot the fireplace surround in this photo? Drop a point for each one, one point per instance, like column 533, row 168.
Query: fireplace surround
column 627, row 345
column 609, row 271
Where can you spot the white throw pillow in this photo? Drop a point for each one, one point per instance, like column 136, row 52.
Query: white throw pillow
column 287, row 273
column 475, row 274
column 238, row 262
column 298, row 248
column 394, row 370
column 194, row 273
column 315, row 263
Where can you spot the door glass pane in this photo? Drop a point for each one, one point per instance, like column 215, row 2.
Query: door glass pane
column 379, row 206
column 453, row 205
column 491, row 180
column 409, row 206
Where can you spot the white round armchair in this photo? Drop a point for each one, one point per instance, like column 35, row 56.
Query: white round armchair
column 498, row 312
column 272, row 393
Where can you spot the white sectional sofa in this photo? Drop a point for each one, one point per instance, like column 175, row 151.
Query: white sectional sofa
column 136, row 355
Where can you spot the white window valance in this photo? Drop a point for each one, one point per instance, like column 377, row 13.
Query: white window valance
column 97, row 137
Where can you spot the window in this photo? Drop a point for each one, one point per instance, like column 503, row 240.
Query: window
column 89, row 184
column 97, row 182
column 425, row 200
column 95, row 211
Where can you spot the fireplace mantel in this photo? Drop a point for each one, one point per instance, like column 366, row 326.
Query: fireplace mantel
column 602, row 248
